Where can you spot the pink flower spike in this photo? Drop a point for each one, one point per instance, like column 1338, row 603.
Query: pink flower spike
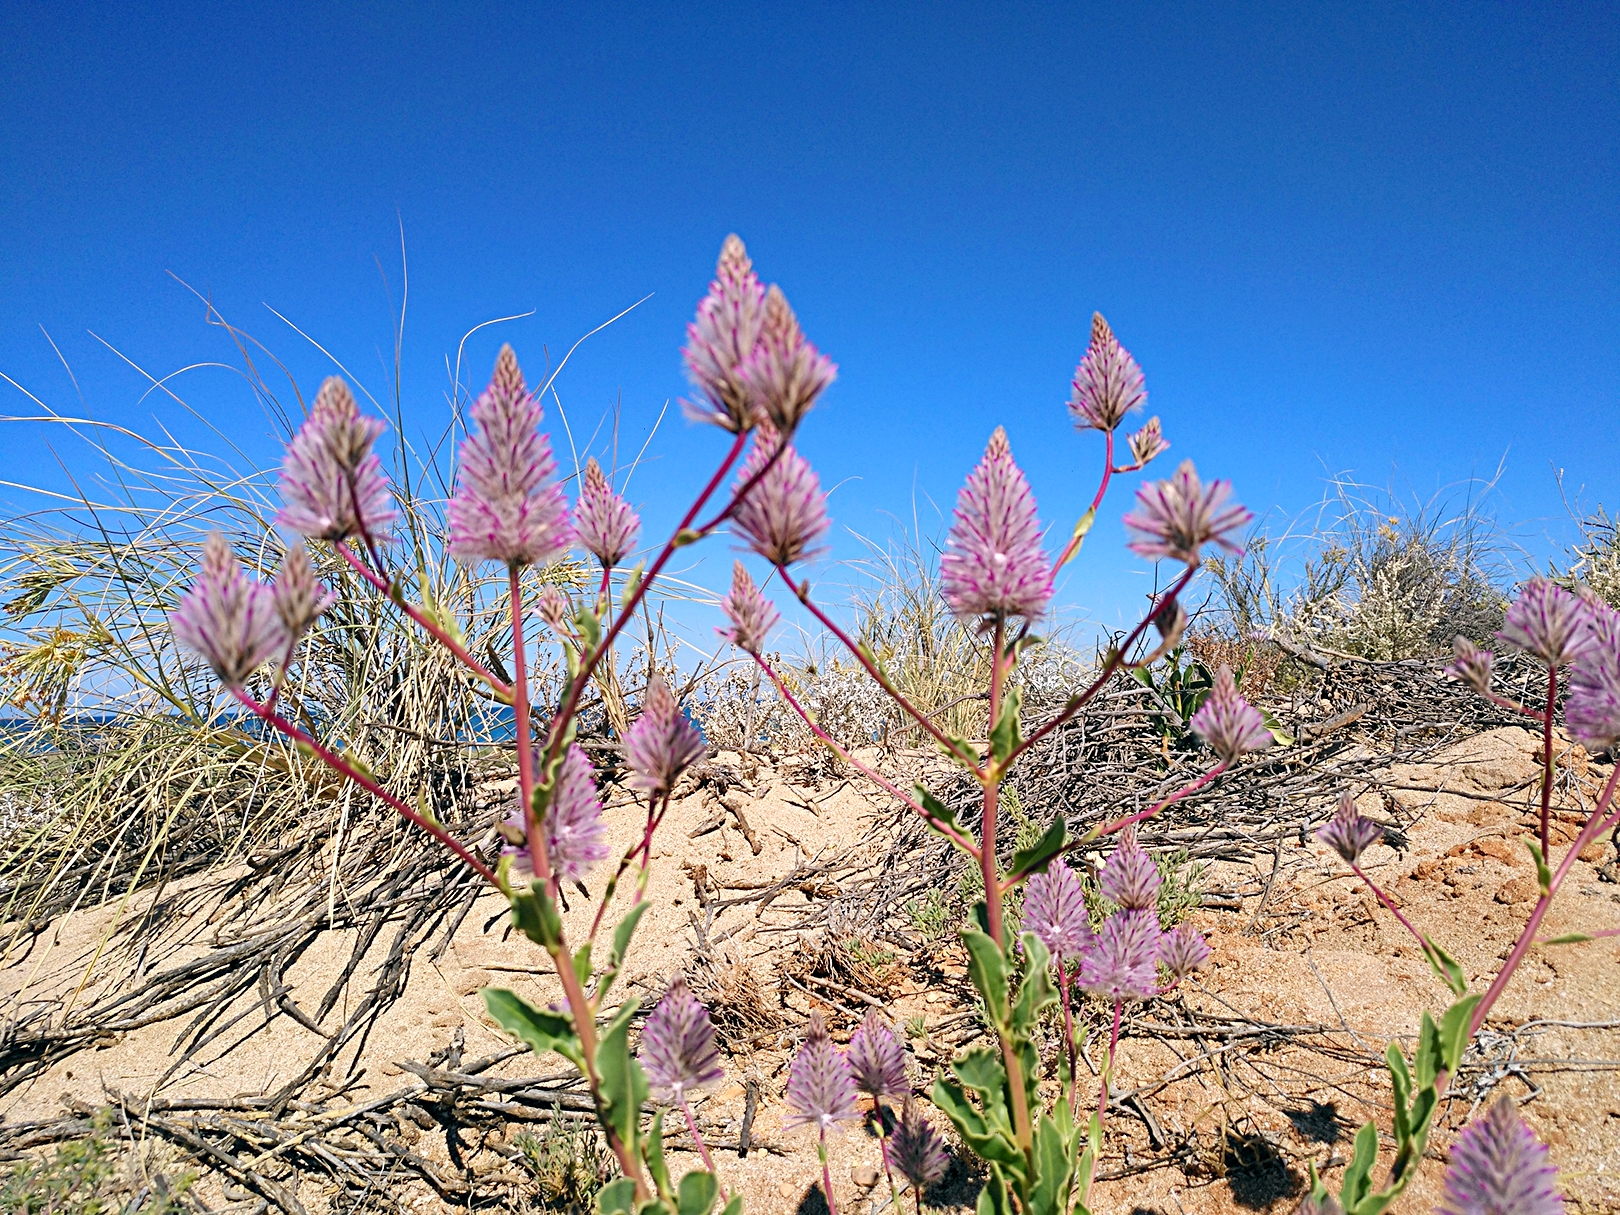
column 752, row 615
column 1055, row 911
column 914, row 1149
column 1149, row 443
column 1107, row 384
column 332, row 483
column 1347, row 833
column 721, row 339
column 229, row 618
column 677, row 1045
column 576, row 836
column 1183, row 951
column 1549, row 622
column 1177, row 517
column 877, row 1058
column 1120, row 962
column 299, row 598
column 1498, row 1167
column 1592, row 711
column 604, row 524
column 785, row 374
column 821, row 1087
column 994, row 566
column 1130, row 879
column 785, row 512
column 662, row 743
column 506, row 506
column 1228, row 723
column 1472, row 665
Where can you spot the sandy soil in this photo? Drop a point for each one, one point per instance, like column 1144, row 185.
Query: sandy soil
column 1215, row 1124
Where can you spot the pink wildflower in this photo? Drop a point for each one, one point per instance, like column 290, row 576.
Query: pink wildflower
column 1130, row 879
column 914, row 1149
column 677, row 1045
column 1228, row 723
column 877, row 1058
column 576, row 836
column 1472, row 665
column 1120, row 961
column 1149, row 443
column 785, row 374
column 662, row 743
column 1347, row 833
column 1055, row 911
column 229, row 618
column 821, row 1087
column 752, row 615
column 721, row 339
column 1549, row 622
column 1183, row 951
column 994, row 565
column 1498, row 1167
column 1592, row 711
column 332, row 483
column 785, row 512
column 1175, row 518
column 604, row 523
column 506, row 506
column 1108, row 382
column 298, row 597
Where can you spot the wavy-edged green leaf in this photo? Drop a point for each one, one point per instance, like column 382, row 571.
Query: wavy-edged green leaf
column 1036, row 991
column 1358, row 1173
column 1038, row 855
column 992, row 1144
column 988, row 970
column 1455, row 1024
column 539, row 1029
column 698, row 1191
column 624, row 1084
column 617, row 1197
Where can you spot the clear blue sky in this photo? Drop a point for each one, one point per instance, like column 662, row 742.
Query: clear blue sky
column 1374, row 238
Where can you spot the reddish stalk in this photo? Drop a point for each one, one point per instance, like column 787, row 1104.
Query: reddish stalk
column 1108, row 1071
column 1546, row 758
column 1068, row 1035
column 1073, row 546
column 534, row 838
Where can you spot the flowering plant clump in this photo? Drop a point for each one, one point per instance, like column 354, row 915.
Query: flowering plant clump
column 757, row 379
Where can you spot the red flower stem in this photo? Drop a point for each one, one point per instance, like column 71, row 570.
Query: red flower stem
column 1546, row 759
column 887, row 786
column 1108, row 1071
column 1115, row 661
column 432, row 627
column 338, row 764
column 1068, row 1036
column 1505, row 703
column 1595, row 826
column 1389, row 905
column 534, row 838
column 826, row 1175
column 703, row 1148
column 802, row 591
column 883, row 1152
column 1186, row 790
column 1073, row 546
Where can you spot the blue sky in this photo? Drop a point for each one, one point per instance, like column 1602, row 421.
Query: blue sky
column 1380, row 239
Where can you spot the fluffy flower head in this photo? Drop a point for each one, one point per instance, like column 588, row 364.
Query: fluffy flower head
column 1549, row 622
column 914, row 1149
column 677, row 1045
column 821, row 1086
column 877, row 1059
column 1347, row 833
column 1119, row 962
column 506, row 506
column 752, row 616
column 785, row 374
column 1055, row 911
column 662, row 743
column 994, row 564
column 1499, row 1167
column 1175, row 518
column 721, row 339
column 298, row 596
column 1131, row 879
column 1148, row 443
column 1183, row 951
column 576, row 836
column 785, row 512
column 1592, row 711
column 604, row 524
column 1107, row 384
column 1471, row 665
column 1228, row 723
column 229, row 618
column 332, row 483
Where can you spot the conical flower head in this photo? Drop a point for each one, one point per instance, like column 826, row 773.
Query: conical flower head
column 877, row 1059
column 298, row 596
column 1119, row 962
column 914, row 1149
column 1107, row 384
column 1055, row 911
column 721, row 339
column 1549, row 622
column 785, row 512
column 506, row 506
column 821, row 1087
column 1592, row 711
column 785, row 374
column 662, row 743
column 332, row 483
column 1499, row 1167
column 1228, row 723
column 604, row 524
column 1175, row 518
column 677, row 1045
column 576, row 836
column 1183, row 951
column 1148, row 443
column 1471, row 664
column 752, row 616
column 1130, row 879
column 1347, row 833
column 994, row 565
column 229, row 618
column 1312, row 1205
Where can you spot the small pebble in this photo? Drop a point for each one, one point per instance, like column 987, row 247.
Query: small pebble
column 864, row 1175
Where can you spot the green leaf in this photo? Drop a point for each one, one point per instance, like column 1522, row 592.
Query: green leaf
column 1279, row 735
column 698, row 1192
column 627, row 929
column 1035, row 858
column 989, row 1142
column 1569, row 938
column 1054, row 1169
column 624, row 1084
column 1401, row 1083
column 1036, row 991
column 631, row 581
column 1358, row 1174
column 653, row 1154
column 535, row 914
column 1454, row 1031
column 940, row 811
column 1543, row 874
column 590, row 628
column 617, row 1197
column 734, row 1207
column 538, row 1029
column 1007, row 733
column 988, row 970
column 582, row 964
column 1446, row 967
